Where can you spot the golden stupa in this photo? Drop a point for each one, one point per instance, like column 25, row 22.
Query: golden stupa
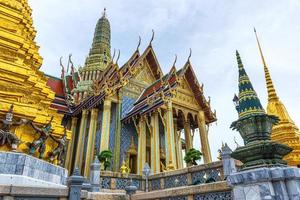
column 21, row 82
column 286, row 131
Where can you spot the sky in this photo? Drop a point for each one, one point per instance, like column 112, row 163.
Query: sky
column 212, row 29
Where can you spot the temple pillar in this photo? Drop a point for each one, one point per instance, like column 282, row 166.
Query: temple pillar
column 105, row 125
column 69, row 157
column 155, row 150
column 91, row 142
column 169, row 135
column 187, row 135
column 141, row 145
column 179, row 144
column 176, row 143
column 117, row 144
column 81, row 136
column 204, row 138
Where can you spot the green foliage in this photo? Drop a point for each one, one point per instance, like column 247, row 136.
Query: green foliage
column 192, row 156
column 105, row 157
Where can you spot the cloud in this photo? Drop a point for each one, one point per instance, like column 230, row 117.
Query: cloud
column 213, row 29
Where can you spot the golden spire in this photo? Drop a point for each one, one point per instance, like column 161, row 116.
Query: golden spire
column 270, row 87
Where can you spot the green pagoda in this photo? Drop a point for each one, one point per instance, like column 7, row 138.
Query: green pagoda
column 255, row 127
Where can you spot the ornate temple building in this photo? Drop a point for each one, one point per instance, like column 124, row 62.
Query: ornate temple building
column 286, row 131
column 23, row 90
column 133, row 110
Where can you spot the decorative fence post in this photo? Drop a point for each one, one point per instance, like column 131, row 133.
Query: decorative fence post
column 228, row 161
column 75, row 185
column 146, row 172
column 95, row 175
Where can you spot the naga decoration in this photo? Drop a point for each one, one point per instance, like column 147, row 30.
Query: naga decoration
column 60, row 150
column 6, row 136
column 39, row 144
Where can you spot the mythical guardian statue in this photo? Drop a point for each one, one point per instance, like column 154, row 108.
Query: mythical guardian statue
column 39, row 144
column 6, row 136
column 60, row 150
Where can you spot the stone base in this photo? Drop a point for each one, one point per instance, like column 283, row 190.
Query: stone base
column 22, row 168
column 280, row 183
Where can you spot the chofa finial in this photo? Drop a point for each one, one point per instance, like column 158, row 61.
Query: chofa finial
column 190, row 55
column 152, row 37
column 139, row 44
column 118, row 57
column 175, row 60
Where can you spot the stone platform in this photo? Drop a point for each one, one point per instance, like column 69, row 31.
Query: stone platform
column 21, row 169
column 280, row 183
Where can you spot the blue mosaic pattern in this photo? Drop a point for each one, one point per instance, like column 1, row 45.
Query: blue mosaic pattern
column 214, row 196
column 105, row 182
column 176, row 198
column 202, row 176
column 155, row 184
column 128, row 130
column 86, row 136
column 176, row 181
column 98, row 131
column 121, row 183
column 162, row 136
column 127, row 104
column 112, row 130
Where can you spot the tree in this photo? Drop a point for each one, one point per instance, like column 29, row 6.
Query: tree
column 105, row 157
column 192, row 156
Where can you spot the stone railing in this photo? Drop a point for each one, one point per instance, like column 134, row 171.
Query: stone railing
column 212, row 172
column 118, row 181
column 28, row 193
column 217, row 190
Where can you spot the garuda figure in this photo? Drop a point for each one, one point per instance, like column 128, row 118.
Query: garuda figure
column 7, row 137
column 60, row 150
column 40, row 143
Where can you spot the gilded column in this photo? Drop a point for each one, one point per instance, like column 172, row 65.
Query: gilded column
column 117, row 145
column 69, row 157
column 187, row 134
column 169, row 135
column 204, row 138
column 176, row 143
column 180, row 151
column 141, row 145
column 91, row 142
column 105, row 125
column 81, row 136
column 155, row 149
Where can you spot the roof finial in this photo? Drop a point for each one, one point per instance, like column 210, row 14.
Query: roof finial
column 113, row 57
column 104, row 12
column 152, row 37
column 270, row 87
column 139, row 44
column 175, row 60
column 190, row 55
column 118, row 57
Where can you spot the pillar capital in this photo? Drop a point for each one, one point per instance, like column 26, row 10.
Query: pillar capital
column 85, row 112
column 94, row 113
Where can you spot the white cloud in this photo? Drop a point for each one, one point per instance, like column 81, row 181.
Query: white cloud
column 213, row 29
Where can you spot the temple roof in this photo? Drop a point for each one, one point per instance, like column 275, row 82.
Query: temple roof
column 162, row 89
column 248, row 102
column 59, row 102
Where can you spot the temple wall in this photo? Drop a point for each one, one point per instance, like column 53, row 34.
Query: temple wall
column 98, row 131
column 112, row 130
column 127, row 130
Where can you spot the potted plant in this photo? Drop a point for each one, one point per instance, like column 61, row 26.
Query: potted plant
column 192, row 156
column 105, row 157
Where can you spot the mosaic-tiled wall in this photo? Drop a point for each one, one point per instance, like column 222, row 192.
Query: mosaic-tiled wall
column 162, row 135
column 98, row 132
column 128, row 129
column 112, row 129
column 214, row 195
column 176, row 198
